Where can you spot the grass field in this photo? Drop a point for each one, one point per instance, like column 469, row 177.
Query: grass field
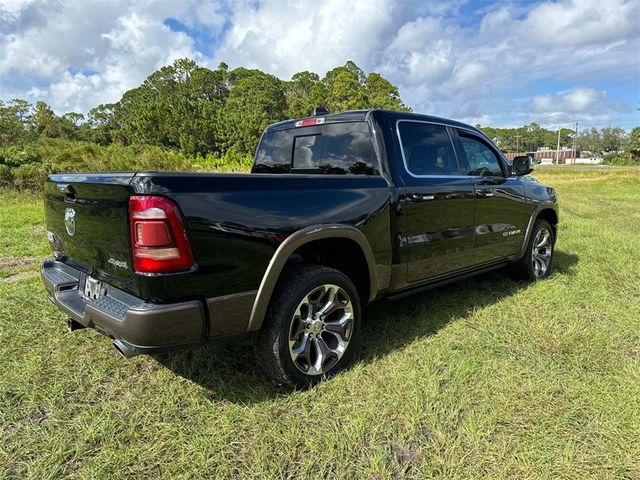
column 484, row 378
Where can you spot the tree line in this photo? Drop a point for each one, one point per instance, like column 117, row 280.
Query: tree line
column 201, row 111
column 188, row 117
column 610, row 142
column 182, row 117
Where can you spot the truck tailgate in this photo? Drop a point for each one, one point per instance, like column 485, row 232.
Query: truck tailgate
column 87, row 221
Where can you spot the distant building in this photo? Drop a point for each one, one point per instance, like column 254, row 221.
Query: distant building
column 564, row 155
column 547, row 156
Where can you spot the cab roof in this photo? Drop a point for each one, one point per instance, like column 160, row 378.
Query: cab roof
column 362, row 115
column 350, row 116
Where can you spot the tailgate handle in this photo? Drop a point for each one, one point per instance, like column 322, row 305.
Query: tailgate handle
column 69, row 192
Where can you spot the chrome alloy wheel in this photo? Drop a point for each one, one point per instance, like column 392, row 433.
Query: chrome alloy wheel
column 321, row 329
column 541, row 252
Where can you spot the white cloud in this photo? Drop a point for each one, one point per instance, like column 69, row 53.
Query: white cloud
column 489, row 69
column 575, row 101
column 580, row 23
column 578, row 104
column 490, row 63
column 80, row 55
column 420, row 65
column 284, row 37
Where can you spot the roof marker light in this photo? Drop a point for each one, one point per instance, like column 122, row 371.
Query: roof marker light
column 310, row 121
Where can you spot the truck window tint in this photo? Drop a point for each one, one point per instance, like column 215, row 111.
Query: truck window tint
column 427, row 149
column 339, row 148
column 335, row 148
column 303, row 151
column 274, row 154
column 481, row 159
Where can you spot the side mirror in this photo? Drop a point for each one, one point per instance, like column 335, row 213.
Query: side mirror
column 522, row 165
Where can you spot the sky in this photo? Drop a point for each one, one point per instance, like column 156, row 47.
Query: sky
column 497, row 63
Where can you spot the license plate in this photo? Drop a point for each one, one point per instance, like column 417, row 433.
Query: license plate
column 92, row 288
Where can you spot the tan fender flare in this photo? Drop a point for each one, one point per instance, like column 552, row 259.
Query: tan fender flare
column 290, row 245
column 532, row 220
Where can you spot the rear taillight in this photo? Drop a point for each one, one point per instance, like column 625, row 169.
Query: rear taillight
column 158, row 238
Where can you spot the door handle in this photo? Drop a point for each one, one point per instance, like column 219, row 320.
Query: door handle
column 421, row 198
column 484, row 194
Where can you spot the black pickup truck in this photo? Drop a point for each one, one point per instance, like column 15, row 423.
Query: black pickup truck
column 338, row 211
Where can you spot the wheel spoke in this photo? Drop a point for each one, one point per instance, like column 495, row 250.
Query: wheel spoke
column 315, row 297
column 322, row 354
column 341, row 343
column 339, row 326
column 297, row 331
column 331, row 303
column 303, row 351
column 544, row 259
column 540, row 267
column 304, row 311
column 545, row 239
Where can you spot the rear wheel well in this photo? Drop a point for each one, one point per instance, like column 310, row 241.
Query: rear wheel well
column 344, row 255
column 550, row 216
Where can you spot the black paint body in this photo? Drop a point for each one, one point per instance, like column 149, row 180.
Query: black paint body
column 421, row 230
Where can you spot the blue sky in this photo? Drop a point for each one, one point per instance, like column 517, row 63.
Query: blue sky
column 495, row 63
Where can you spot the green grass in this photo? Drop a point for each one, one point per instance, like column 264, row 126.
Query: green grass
column 483, row 378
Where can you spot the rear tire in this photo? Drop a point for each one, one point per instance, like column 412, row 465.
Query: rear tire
column 310, row 327
column 537, row 261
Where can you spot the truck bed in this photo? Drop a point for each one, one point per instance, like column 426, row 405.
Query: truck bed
column 235, row 222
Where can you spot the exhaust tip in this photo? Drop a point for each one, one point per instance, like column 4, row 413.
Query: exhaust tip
column 124, row 349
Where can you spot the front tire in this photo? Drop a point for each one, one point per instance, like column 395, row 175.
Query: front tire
column 311, row 325
column 537, row 261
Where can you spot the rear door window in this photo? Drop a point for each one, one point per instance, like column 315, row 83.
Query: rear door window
column 335, row 148
column 427, row 149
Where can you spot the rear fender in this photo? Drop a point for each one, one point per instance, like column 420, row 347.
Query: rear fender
column 290, row 245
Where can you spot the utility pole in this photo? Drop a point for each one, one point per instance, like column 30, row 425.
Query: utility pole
column 517, row 142
column 575, row 143
column 559, row 127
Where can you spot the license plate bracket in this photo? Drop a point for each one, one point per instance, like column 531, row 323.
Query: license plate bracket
column 92, row 288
